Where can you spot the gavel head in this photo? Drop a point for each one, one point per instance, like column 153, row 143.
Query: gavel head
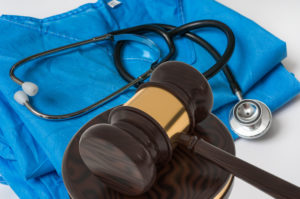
column 125, row 153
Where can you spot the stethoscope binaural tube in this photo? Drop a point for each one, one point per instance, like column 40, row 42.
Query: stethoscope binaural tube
column 31, row 89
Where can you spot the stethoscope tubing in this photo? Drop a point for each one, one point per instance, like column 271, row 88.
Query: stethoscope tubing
column 221, row 60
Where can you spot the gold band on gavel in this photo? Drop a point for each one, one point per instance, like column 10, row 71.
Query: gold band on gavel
column 163, row 107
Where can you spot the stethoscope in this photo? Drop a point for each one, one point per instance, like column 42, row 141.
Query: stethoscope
column 249, row 118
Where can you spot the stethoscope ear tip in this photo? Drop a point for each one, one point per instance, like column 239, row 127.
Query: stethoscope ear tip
column 21, row 97
column 250, row 119
column 30, row 88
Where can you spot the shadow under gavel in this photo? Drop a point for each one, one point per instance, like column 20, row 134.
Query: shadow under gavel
column 141, row 135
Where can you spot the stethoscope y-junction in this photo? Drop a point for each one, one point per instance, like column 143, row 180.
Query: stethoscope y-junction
column 249, row 118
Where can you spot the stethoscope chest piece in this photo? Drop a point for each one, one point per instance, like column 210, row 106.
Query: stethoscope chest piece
column 250, row 119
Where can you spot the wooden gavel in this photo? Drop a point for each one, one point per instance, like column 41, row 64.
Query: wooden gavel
column 141, row 135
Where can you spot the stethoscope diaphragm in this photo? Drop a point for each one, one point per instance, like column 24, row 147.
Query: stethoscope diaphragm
column 250, row 119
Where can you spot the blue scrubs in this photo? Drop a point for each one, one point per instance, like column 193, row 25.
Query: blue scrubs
column 32, row 148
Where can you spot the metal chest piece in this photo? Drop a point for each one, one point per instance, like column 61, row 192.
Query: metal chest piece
column 250, row 119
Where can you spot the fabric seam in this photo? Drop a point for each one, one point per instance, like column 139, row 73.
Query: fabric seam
column 41, row 31
column 192, row 54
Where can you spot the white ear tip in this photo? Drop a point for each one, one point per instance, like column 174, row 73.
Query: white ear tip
column 30, row 88
column 21, row 97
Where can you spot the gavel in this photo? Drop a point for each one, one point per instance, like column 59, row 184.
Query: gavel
column 141, row 135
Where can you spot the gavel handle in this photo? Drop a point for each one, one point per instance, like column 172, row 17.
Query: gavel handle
column 272, row 185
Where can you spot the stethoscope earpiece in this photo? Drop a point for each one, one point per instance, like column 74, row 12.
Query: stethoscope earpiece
column 21, row 97
column 250, row 119
column 28, row 89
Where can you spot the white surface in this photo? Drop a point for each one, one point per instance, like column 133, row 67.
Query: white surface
column 279, row 151
column 6, row 192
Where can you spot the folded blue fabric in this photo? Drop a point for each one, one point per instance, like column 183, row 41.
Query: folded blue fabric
column 47, row 187
column 33, row 148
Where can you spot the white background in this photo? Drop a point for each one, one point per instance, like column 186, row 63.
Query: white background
column 279, row 151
